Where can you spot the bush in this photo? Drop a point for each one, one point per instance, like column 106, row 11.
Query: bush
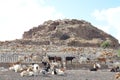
column 119, row 53
column 105, row 44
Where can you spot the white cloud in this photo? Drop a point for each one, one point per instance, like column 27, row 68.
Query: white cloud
column 112, row 18
column 17, row 16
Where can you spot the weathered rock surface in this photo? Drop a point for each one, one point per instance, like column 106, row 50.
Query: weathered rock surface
column 70, row 33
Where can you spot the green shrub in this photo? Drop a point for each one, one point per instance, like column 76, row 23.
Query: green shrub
column 118, row 52
column 105, row 44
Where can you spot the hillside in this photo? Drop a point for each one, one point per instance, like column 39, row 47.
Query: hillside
column 68, row 32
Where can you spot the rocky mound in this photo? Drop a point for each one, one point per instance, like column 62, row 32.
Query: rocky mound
column 69, row 32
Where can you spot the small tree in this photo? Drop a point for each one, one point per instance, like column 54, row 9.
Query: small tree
column 105, row 44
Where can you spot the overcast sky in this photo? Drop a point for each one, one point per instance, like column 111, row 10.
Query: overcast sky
column 17, row 16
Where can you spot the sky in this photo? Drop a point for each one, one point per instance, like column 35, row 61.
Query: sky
column 18, row 16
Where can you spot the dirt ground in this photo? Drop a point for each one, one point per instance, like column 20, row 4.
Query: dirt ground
column 69, row 75
column 72, row 73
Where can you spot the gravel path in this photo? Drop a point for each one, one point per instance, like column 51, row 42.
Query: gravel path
column 69, row 75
